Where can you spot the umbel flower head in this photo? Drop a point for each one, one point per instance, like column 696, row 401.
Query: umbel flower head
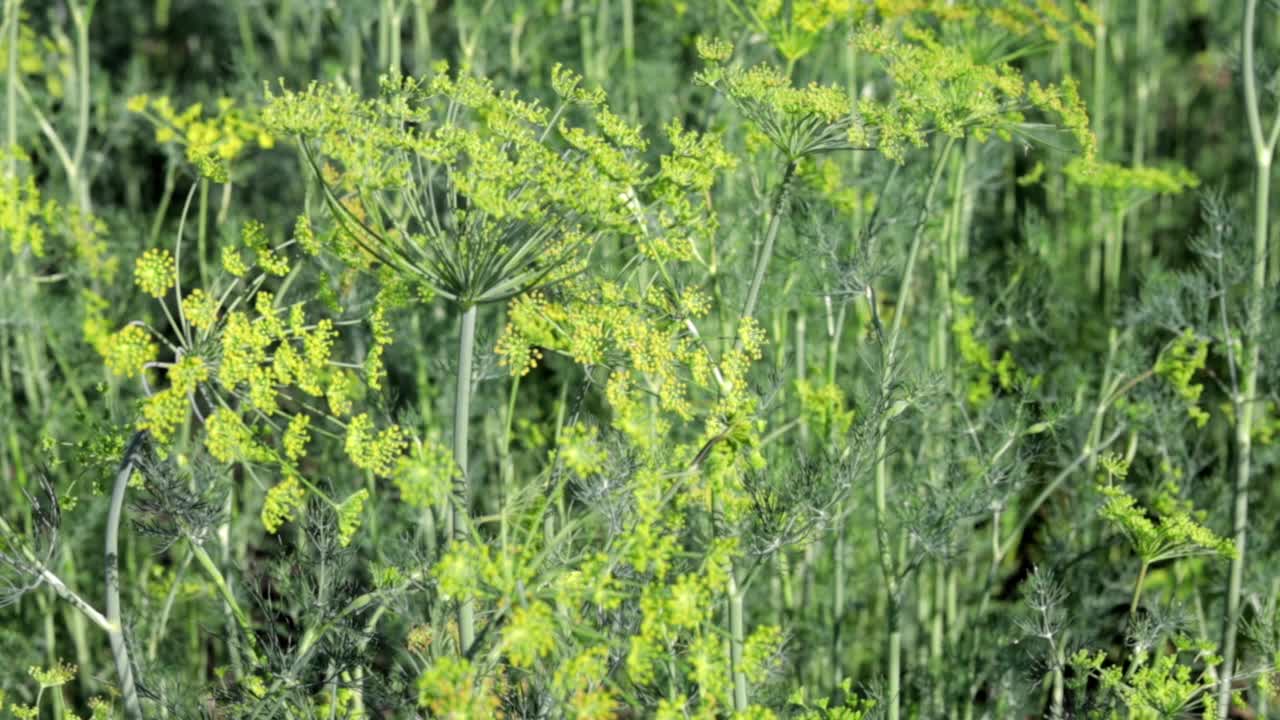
column 936, row 87
column 259, row 374
column 476, row 194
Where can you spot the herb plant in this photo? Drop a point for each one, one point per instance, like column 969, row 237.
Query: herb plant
column 612, row 359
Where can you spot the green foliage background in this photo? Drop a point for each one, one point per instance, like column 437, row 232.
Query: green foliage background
column 639, row 358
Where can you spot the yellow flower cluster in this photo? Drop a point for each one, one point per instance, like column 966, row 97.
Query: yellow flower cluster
column 425, row 477
column 450, row 687
column 530, row 635
column 24, row 216
column 796, row 32
column 282, row 503
column 464, row 569
column 155, row 272
column 56, row 675
column 349, row 515
column 129, row 350
column 200, row 309
column 230, row 440
column 580, row 451
column 212, row 142
column 378, row 452
column 296, row 436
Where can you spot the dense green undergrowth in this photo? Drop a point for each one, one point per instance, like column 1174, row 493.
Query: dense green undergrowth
column 639, row 358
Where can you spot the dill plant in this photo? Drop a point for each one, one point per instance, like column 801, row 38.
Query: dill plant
column 846, row 369
column 512, row 213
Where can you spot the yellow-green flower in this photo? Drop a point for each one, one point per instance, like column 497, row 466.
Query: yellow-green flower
column 201, row 309
column 282, row 503
column 349, row 516
column 155, row 272
column 530, row 635
column 56, row 675
column 296, row 436
column 129, row 350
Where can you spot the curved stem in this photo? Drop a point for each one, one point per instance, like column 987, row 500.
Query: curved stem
column 115, row 631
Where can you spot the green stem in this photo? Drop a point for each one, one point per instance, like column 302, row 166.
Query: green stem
column 737, row 643
column 51, row 655
column 1137, row 589
column 111, row 548
column 1058, row 693
column 1098, row 112
column 81, row 17
column 780, row 200
column 244, row 24
column 220, row 583
column 461, row 423
column 838, row 601
column 1246, row 395
column 506, row 464
column 202, row 233
column 77, row 626
column 422, row 36
column 629, row 57
column 1141, row 115
column 11, row 19
column 157, row 632
column 888, row 565
column 166, row 196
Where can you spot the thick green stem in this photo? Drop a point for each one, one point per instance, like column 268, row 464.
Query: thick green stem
column 1137, row 589
column 111, row 547
column 422, row 36
column 838, row 601
column 11, row 18
column 1058, row 695
column 629, row 57
column 1146, row 79
column 1246, row 393
column 461, row 425
column 1097, row 111
column 736, row 643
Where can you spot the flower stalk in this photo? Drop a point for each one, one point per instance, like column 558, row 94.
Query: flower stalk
column 459, row 522
column 111, row 549
column 1244, row 397
column 780, row 202
column 887, row 545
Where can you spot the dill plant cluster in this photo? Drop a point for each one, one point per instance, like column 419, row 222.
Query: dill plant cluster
column 639, row 358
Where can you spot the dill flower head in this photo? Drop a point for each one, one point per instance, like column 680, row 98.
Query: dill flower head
column 155, row 272
column 474, row 193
